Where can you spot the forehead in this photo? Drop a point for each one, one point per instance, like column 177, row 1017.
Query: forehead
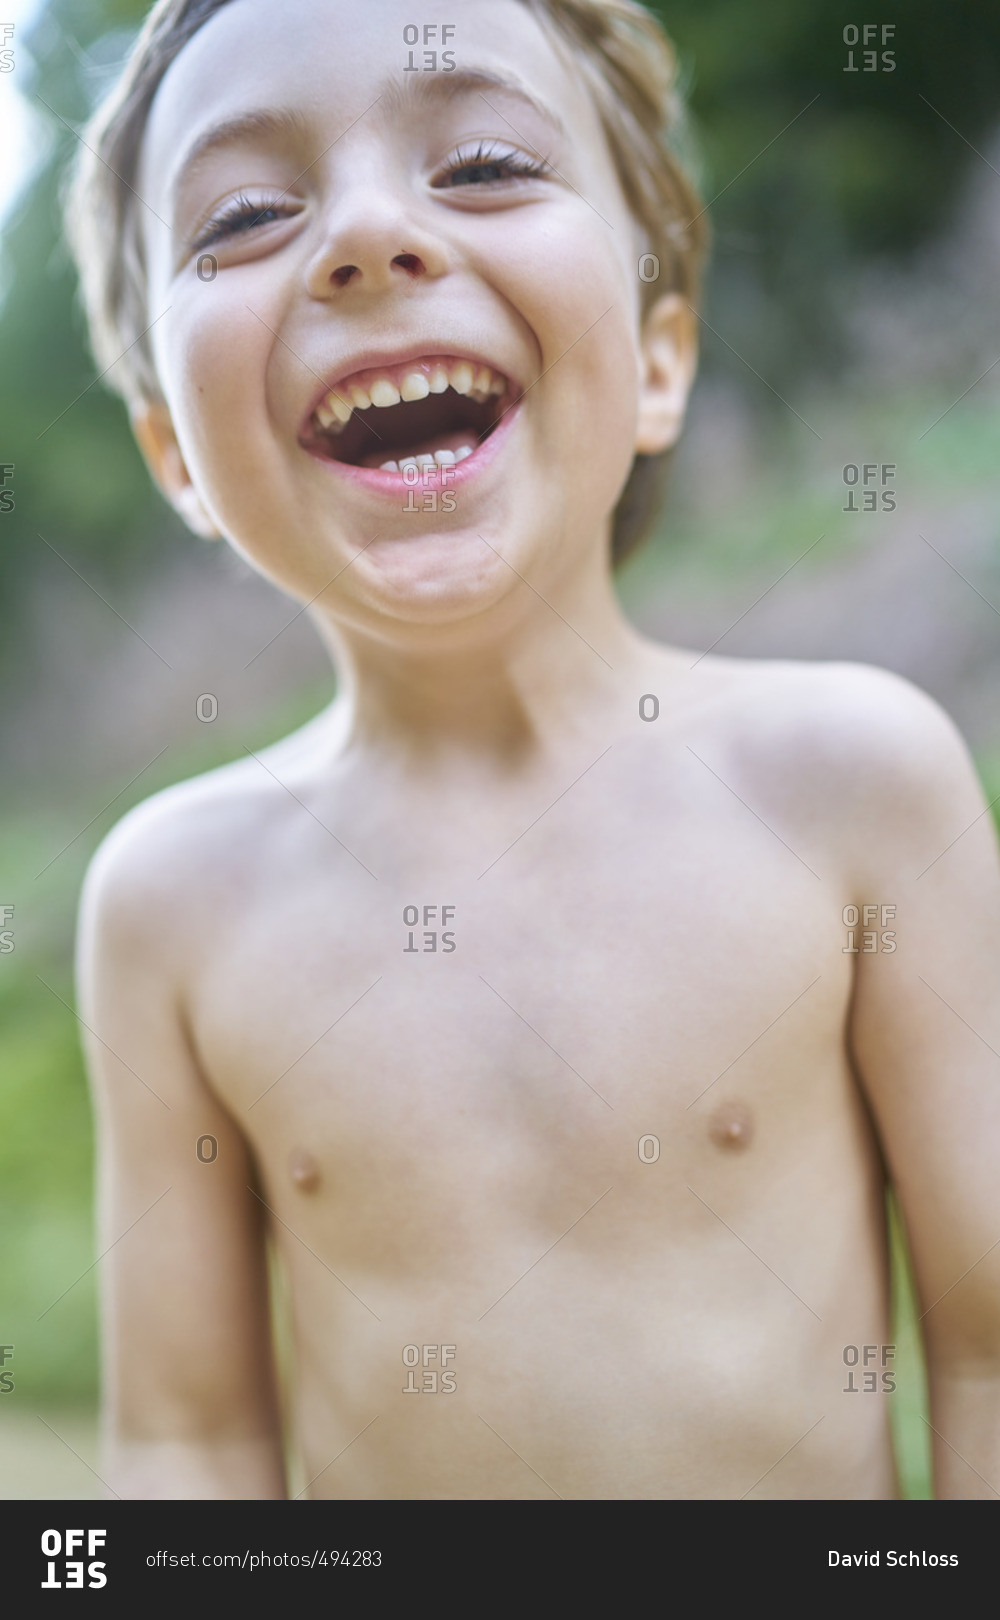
column 328, row 61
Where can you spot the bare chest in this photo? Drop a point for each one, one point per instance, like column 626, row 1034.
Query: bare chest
column 602, row 994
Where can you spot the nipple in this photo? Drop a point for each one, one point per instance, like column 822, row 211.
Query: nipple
column 304, row 1171
column 731, row 1126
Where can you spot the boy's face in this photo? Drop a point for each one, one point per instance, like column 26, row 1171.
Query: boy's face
column 380, row 221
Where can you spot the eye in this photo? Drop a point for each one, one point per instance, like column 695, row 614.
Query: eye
column 489, row 163
column 240, row 215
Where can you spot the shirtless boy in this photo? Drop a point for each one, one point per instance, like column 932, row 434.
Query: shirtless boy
column 516, row 991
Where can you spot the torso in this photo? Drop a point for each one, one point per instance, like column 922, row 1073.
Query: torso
column 606, row 1157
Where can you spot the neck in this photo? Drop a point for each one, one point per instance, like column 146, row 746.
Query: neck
column 526, row 677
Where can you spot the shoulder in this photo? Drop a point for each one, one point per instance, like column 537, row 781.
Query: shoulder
column 158, row 859
column 849, row 749
column 183, row 855
column 857, row 715
column 209, row 831
column 836, row 717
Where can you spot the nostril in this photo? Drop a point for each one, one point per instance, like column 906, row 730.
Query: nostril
column 343, row 275
column 410, row 263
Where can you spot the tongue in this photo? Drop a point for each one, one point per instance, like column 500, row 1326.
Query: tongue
column 461, row 438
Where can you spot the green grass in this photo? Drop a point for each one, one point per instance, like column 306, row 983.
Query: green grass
column 908, row 1403
column 45, row 1205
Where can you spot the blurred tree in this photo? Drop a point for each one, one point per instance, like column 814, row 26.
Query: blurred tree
column 78, row 480
column 824, row 162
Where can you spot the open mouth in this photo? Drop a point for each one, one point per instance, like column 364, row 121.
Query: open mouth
column 431, row 412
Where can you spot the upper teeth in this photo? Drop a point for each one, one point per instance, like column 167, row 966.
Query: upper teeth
column 336, row 409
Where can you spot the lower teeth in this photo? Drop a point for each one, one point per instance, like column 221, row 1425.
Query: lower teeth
column 440, row 458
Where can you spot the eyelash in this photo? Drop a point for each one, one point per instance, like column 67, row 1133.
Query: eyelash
column 238, row 215
column 487, row 155
column 241, row 214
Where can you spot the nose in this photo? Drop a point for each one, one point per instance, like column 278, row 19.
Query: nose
column 373, row 242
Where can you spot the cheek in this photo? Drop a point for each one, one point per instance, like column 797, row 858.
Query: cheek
column 563, row 273
column 601, row 409
column 581, row 310
column 212, row 357
column 574, row 292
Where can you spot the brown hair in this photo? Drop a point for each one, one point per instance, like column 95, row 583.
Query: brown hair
column 629, row 68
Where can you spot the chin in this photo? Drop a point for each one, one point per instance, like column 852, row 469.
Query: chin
column 438, row 577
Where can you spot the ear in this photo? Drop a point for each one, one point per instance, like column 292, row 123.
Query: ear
column 669, row 351
column 154, row 432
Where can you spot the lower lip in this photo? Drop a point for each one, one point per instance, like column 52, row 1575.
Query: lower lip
column 450, row 477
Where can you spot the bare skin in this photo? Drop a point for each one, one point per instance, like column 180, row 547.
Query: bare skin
column 620, row 1156
column 420, row 1155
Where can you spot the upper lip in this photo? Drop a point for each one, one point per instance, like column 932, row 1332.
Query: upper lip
column 372, row 359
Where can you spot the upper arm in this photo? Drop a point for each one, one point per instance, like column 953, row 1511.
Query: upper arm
column 183, row 1273
column 925, row 1016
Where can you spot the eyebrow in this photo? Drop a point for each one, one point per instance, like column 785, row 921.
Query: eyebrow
column 444, row 87
column 279, row 124
column 283, row 124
